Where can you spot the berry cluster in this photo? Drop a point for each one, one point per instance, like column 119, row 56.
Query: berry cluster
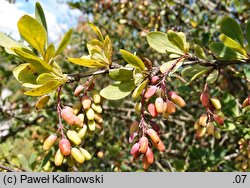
column 155, row 100
column 84, row 115
column 207, row 123
column 243, row 159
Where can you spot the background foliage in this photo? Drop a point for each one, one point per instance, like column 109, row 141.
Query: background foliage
column 23, row 130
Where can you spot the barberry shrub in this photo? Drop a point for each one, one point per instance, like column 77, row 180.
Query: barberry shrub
column 148, row 86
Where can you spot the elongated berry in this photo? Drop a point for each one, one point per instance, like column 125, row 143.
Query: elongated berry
column 154, row 80
column 153, row 135
column 65, row 146
column 78, row 90
column 200, row 132
column 48, row 143
column 246, row 102
column 68, row 116
column 74, row 137
column 160, row 146
column 86, row 154
column 218, row 119
column 216, row 103
column 152, row 110
column 77, row 155
column 82, row 132
column 96, row 97
column 143, row 144
column 90, row 114
column 177, row 99
column 134, row 127
column 135, row 148
column 97, row 108
column 159, row 105
column 41, row 103
column 99, row 126
column 204, row 98
column 145, row 163
column 150, row 92
column 58, row 158
column 138, row 107
column 98, row 118
column 78, row 122
column 210, row 128
column 171, row 107
column 77, row 107
column 81, row 117
column 217, row 134
column 155, row 126
column 150, row 155
column 203, row 120
column 91, row 125
column 196, row 125
column 86, row 102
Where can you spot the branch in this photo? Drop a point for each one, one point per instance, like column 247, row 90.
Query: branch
column 218, row 64
column 76, row 77
column 9, row 169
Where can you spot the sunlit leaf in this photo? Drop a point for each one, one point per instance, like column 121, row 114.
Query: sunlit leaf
column 97, row 31
column 9, row 43
column 45, row 160
column 160, row 42
column 212, row 77
column 87, row 62
column 26, row 73
column 132, row 59
column 199, row 52
column 176, row 40
column 65, row 41
column 49, row 53
column 33, row 32
column 138, row 90
column 46, row 77
column 223, row 52
column 121, row 74
column 107, row 48
column 39, row 14
column 229, row 42
column 48, row 87
column 118, row 90
column 232, row 29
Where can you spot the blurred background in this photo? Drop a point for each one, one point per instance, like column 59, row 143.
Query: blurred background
column 23, row 129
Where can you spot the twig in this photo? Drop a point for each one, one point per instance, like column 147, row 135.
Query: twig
column 9, row 169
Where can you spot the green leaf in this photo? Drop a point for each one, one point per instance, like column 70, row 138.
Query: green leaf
column 33, row 32
column 232, row 29
column 45, row 160
column 194, row 72
column 39, row 15
column 223, row 52
column 65, row 41
column 96, row 30
column 94, row 44
column 212, row 77
column 229, row 42
column 138, row 76
column 49, row 53
column 132, row 59
column 9, row 43
column 176, row 40
column 247, row 71
column 248, row 32
column 121, row 74
column 199, row 52
column 46, row 77
column 26, row 73
column 160, row 42
column 169, row 65
column 118, row 90
column 138, row 90
column 48, row 87
column 87, row 62
column 30, row 57
column 99, row 56
column 107, row 48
